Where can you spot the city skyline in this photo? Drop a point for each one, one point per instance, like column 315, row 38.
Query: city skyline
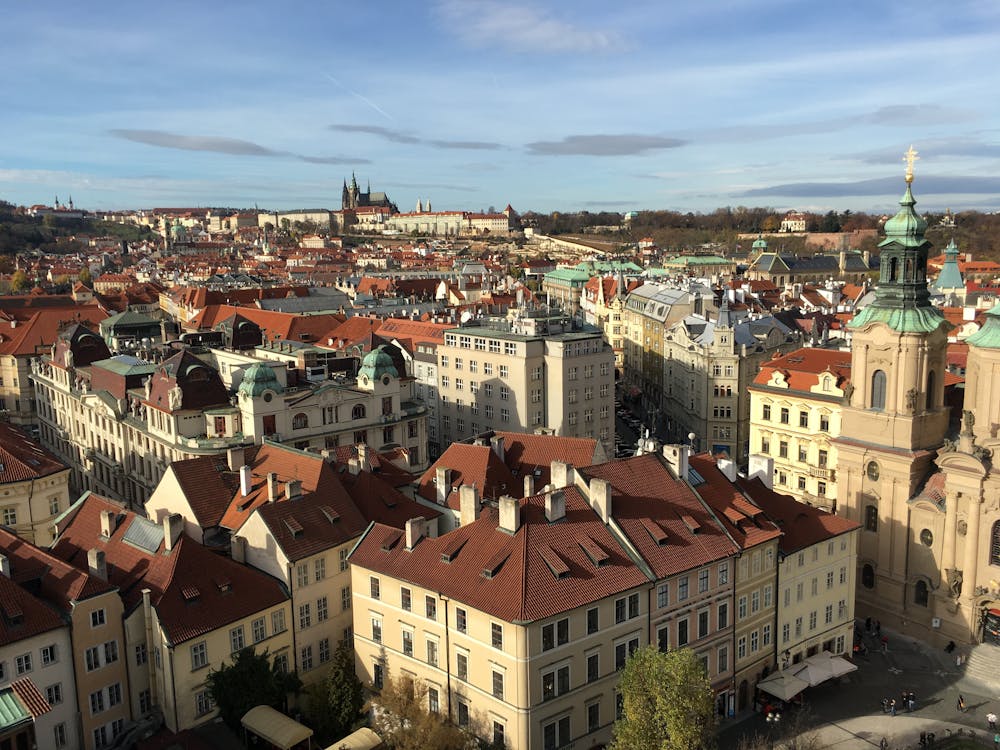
column 473, row 104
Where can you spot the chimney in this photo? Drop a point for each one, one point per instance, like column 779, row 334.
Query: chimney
column 236, row 458
column 762, row 468
column 561, row 475
column 238, row 549
column 555, row 506
column 173, row 527
column 600, row 498
column 496, row 443
column 354, row 466
column 529, row 485
column 510, row 514
column 442, row 479
column 469, row 503
column 293, row 489
column 414, row 531
column 5, row 565
column 728, row 467
column 364, row 463
column 272, row 487
column 246, row 480
column 109, row 522
column 677, row 459
column 96, row 564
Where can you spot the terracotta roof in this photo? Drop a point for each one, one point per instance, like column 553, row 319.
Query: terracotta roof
column 746, row 523
column 23, row 615
column 193, row 589
column 525, row 451
column 802, row 368
column 276, row 326
column 200, row 384
column 379, row 501
column 476, row 465
column 35, row 334
column 21, row 458
column 521, row 586
column 802, row 525
column 31, row 697
column 644, row 493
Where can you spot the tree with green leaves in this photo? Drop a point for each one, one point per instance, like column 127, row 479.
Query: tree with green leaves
column 335, row 703
column 19, row 281
column 668, row 702
column 85, row 277
column 251, row 680
column 403, row 721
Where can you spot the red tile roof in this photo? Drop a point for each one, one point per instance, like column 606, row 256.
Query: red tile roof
column 802, row 525
column 31, row 697
column 746, row 523
column 476, row 465
column 379, row 501
column 21, row 458
column 522, row 587
column 226, row 590
column 644, row 490
column 276, row 326
column 23, row 615
column 35, row 334
column 802, row 368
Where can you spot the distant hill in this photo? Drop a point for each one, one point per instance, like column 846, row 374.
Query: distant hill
column 22, row 234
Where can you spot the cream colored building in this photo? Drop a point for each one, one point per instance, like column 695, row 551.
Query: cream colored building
column 536, row 372
column 795, row 419
column 35, row 486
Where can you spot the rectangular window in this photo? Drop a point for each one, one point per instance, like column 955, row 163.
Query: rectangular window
column 432, row 653
column 803, row 419
column 345, row 598
column 97, row 618
column 141, row 655
column 768, row 596
column 828, row 614
column 319, row 569
column 741, row 647
column 624, row 650
column 322, row 610
column 93, row 658
column 766, row 412
column 593, row 717
column 784, row 415
column 114, row 694
column 754, row 642
column 463, row 713
column 343, row 559
column 593, row 667
column 145, row 701
column 723, row 573
column 783, row 449
column 462, row 666
column 754, row 602
column 662, row 595
column 593, row 620
column 798, row 627
column 460, row 620
column 407, row 643
column 824, row 423
column 203, row 703
column 433, row 700
column 305, row 616
column 741, row 607
column 430, row 607
column 497, row 684
column 199, row 656
column 702, row 581
column 785, row 633
column 723, row 615
column 496, row 635
column 682, row 633
column 54, row 694
column 259, row 629
column 302, row 575
column 682, row 589
column 23, row 663
column 236, row 640
column 376, row 630
column 48, row 655
column 96, row 702
column 376, row 590
column 766, row 635
column 703, row 624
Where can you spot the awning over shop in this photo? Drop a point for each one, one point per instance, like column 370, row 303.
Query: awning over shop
column 783, row 685
column 362, row 739
column 822, row 667
column 275, row 727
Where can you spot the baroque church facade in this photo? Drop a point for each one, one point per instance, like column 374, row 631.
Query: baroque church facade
column 928, row 501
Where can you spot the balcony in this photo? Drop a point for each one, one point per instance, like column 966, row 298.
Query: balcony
column 821, row 472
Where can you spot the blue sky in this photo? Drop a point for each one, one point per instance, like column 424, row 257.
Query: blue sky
column 556, row 106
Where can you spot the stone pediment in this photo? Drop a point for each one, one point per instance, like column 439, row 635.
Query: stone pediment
column 949, row 459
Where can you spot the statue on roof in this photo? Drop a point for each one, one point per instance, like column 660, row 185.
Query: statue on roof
column 175, row 397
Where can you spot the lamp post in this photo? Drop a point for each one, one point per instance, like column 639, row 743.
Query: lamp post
column 773, row 717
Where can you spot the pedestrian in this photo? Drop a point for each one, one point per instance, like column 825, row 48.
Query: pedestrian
column 961, row 704
column 868, row 624
column 885, row 705
column 913, row 702
column 996, row 741
column 885, row 644
column 892, row 707
column 991, row 719
column 884, row 744
column 878, row 627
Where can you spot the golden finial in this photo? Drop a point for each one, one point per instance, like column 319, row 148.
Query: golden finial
column 909, row 157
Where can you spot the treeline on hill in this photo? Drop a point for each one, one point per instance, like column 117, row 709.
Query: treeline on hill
column 22, row 234
column 974, row 232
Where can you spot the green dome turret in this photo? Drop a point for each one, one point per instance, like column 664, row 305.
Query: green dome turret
column 257, row 379
column 987, row 337
column 378, row 362
column 760, row 244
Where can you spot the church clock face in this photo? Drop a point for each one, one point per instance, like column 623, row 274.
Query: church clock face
column 872, row 470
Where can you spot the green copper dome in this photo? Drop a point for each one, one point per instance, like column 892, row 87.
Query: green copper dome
column 257, row 379
column 988, row 337
column 760, row 244
column 378, row 362
column 907, row 227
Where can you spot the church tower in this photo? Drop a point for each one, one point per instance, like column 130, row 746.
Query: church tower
column 894, row 417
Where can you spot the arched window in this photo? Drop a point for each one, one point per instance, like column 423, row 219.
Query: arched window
column 358, row 412
column 920, row 593
column 892, row 269
column 300, row 421
column 995, row 544
column 878, row 390
column 871, row 518
column 868, row 577
column 930, row 390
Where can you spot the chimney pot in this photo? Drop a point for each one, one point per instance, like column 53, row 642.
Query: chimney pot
column 272, row 487
column 238, row 549
column 236, row 458
column 5, row 565
column 442, row 481
column 561, row 474
column 173, row 527
column 600, row 498
column 555, row 506
column 677, row 459
column 414, row 531
column 109, row 522
column 96, row 564
column 469, row 504
column 529, row 485
column 510, row 514
column 246, row 480
column 293, row 489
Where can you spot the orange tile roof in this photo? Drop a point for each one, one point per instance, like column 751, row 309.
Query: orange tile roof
column 21, row 458
column 38, row 332
column 523, row 586
column 802, row 368
column 193, row 589
column 23, row 615
column 745, row 522
column 274, row 325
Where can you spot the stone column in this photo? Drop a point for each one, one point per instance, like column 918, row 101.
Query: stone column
column 971, row 549
column 948, row 551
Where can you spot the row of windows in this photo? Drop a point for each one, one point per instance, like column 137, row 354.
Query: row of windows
column 237, row 640
column 784, row 417
column 829, row 614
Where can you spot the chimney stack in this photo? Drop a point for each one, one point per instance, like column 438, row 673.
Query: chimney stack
column 555, row 506
column 96, row 564
column 442, row 481
column 496, row 443
column 246, row 480
column 529, row 485
column 109, row 522
column 677, row 459
column 728, row 467
column 5, row 565
column 238, row 549
column 600, row 498
column 414, row 531
column 293, row 489
column 561, row 475
column 469, row 504
column 762, row 468
column 173, row 527
column 236, row 457
column 510, row 514
column 363, row 460
column 272, row 487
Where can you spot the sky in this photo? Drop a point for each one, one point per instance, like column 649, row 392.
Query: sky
column 554, row 106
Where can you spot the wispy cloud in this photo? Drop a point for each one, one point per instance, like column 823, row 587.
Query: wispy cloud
column 934, row 148
column 211, row 143
column 222, row 145
column 926, row 185
column 604, row 145
column 399, row 136
column 486, row 23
